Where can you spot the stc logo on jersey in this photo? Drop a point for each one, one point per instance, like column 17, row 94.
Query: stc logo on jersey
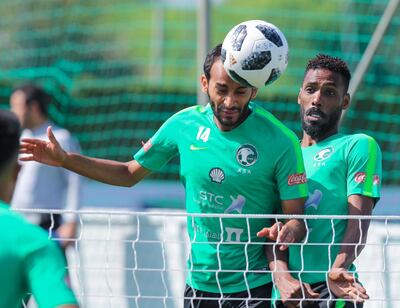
column 247, row 155
column 236, row 205
column 323, row 154
column 313, row 200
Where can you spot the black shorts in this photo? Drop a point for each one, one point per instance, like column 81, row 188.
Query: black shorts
column 323, row 291
column 46, row 221
column 256, row 297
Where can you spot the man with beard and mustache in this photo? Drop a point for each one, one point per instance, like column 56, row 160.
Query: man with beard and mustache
column 227, row 166
column 344, row 176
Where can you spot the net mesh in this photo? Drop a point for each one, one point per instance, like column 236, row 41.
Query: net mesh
column 136, row 259
column 117, row 71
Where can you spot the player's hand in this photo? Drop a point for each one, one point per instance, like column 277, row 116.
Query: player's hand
column 278, row 233
column 292, row 291
column 47, row 152
column 343, row 285
column 66, row 232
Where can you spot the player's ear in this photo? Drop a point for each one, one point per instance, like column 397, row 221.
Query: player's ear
column 204, row 83
column 254, row 92
column 346, row 101
column 298, row 97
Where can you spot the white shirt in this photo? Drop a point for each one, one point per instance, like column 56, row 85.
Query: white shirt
column 45, row 187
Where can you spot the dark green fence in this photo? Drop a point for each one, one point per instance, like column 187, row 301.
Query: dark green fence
column 118, row 69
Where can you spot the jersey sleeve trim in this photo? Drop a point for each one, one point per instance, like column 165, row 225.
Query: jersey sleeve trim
column 370, row 168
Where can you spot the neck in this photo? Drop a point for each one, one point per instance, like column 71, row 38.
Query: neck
column 307, row 140
column 37, row 122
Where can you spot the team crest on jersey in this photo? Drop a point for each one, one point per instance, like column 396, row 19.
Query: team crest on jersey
column 217, row 175
column 247, row 155
column 324, row 154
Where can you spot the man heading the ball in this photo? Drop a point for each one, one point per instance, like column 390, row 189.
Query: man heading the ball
column 228, row 166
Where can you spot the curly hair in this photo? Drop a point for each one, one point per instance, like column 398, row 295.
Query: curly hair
column 334, row 64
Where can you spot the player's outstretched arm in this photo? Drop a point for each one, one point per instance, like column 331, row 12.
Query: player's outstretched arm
column 292, row 291
column 341, row 282
column 103, row 170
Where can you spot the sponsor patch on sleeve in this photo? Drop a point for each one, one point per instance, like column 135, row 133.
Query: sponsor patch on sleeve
column 147, row 145
column 360, row 177
column 296, row 179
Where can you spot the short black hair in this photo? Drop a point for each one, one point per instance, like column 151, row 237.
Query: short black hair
column 10, row 132
column 35, row 93
column 212, row 56
column 334, row 64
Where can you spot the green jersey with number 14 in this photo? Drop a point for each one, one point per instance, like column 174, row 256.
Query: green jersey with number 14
column 247, row 170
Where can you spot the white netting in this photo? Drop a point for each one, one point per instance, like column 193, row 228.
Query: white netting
column 131, row 259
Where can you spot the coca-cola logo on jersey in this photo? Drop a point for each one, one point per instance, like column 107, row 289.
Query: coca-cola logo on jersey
column 297, row 178
column 360, row 177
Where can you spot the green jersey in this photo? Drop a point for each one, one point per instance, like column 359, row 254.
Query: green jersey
column 30, row 264
column 247, row 170
column 337, row 167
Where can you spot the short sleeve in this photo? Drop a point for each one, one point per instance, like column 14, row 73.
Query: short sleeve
column 45, row 270
column 364, row 165
column 290, row 173
column 161, row 148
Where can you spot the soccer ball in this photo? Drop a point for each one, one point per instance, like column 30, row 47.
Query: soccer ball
column 255, row 53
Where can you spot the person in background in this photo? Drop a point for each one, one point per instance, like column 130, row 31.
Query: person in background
column 40, row 186
column 30, row 263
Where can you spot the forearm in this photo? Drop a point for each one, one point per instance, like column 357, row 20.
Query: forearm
column 277, row 262
column 106, row 171
column 353, row 242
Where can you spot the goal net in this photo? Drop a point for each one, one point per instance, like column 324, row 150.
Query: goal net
column 138, row 259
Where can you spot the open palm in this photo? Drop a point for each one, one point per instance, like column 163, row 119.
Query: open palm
column 47, row 152
column 343, row 285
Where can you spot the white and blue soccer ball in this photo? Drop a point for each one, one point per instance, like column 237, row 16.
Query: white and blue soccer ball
column 255, row 53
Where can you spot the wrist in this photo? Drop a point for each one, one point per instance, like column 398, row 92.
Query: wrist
column 342, row 262
column 282, row 278
column 63, row 159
